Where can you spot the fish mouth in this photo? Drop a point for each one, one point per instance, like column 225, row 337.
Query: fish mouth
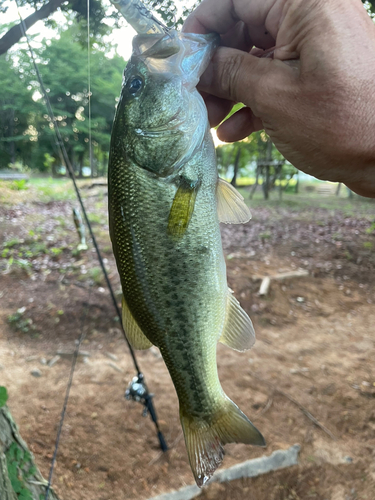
column 169, row 127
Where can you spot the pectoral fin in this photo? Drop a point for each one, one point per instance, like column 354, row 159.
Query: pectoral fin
column 182, row 207
column 238, row 332
column 133, row 333
column 231, row 207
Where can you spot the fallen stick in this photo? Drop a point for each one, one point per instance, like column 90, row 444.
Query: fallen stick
column 266, row 408
column 298, row 404
column 297, row 273
column 266, row 280
column 265, row 285
column 279, row 459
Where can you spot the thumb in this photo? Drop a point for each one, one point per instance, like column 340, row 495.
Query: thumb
column 241, row 77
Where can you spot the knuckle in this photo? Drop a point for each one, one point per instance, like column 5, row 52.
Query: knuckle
column 230, row 75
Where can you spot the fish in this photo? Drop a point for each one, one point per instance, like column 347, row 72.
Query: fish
column 166, row 203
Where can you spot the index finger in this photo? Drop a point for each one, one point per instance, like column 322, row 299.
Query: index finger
column 211, row 16
column 260, row 18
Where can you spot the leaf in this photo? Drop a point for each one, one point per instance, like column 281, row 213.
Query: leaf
column 25, row 495
column 3, row 396
column 16, row 483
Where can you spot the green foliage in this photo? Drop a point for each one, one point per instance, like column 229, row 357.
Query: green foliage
column 16, row 114
column 167, row 11
column 12, row 243
column 75, row 10
column 20, row 469
column 26, row 132
column 96, row 219
column 55, row 252
column 3, row 396
column 48, row 162
column 370, row 6
column 19, row 185
column 19, row 322
column 96, row 274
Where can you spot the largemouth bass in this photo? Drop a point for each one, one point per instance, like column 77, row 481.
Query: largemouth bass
column 165, row 204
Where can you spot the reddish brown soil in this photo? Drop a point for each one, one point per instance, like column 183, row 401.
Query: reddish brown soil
column 315, row 343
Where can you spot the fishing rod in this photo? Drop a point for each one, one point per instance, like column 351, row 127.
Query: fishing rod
column 137, row 389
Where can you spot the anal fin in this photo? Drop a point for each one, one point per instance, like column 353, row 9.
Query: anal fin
column 134, row 334
column 231, row 208
column 238, row 332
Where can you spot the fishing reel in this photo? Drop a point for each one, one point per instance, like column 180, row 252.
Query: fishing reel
column 137, row 391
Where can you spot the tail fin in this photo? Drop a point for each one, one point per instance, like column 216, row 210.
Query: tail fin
column 205, row 439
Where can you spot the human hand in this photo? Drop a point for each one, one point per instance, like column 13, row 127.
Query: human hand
column 315, row 97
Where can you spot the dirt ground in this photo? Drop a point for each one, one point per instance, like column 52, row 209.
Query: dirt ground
column 315, row 351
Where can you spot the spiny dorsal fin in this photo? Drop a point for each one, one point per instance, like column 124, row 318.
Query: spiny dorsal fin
column 231, row 207
column 238, row 332
column 133, row 333
column 182, row 207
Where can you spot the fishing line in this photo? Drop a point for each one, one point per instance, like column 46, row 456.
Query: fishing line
column 69, row 167
column 143, row 394
column 89, row 84
column 66, row 399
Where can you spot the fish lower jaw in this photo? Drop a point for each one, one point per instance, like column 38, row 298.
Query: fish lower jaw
column 155, row 132
column 172, row 125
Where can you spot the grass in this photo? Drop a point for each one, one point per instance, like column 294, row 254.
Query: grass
column 306, row 201
column 49, row 189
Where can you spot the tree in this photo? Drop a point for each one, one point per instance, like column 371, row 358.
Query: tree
column 62, row 63
column 17, row 114
column 19, row 476
column 166, row 9
column 45, row 9
column 255, row 155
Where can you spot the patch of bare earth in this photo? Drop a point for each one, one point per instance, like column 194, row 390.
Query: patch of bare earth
column 315, row 351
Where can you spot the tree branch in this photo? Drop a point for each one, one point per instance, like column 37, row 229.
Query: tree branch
column 15, row 33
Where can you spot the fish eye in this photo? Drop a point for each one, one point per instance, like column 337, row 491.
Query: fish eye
column 135, row 84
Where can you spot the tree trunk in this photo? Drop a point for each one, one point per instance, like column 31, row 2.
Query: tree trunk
column 266, row 182
column 280, row 185
column 267, row 167
column 12, row 146
column 18, row 472
column 235, row 167
column 338, row 189
column 297, row 184
column 255, row 185
column 15, row 33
